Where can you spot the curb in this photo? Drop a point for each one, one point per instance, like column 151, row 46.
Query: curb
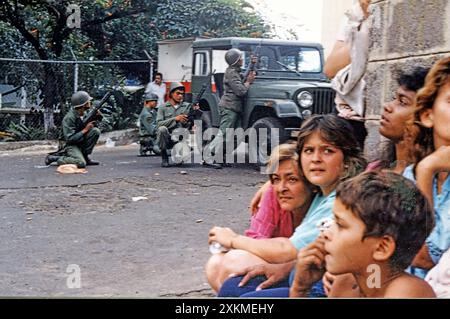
column 13, row 146
column 122, row 137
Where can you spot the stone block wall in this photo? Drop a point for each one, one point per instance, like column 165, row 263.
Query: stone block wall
column 405, row 34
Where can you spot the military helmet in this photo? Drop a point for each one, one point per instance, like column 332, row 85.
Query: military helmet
column 233, row 56
column 80, row 98
column 175, row 85
column 151, row 97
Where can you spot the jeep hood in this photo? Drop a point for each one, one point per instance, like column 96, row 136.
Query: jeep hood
column 282, row 89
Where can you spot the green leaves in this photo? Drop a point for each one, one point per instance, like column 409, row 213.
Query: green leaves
column 110, row 30
column 220, row 18
column 133, row 25
column 21, row 132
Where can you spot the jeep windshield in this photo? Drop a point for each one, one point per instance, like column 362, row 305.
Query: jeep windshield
column 289, row 59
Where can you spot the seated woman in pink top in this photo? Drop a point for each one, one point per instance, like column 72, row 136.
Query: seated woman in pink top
column 283, row 206
column 271, row 220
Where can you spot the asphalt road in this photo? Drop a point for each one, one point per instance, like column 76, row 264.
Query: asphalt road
column 54, row 227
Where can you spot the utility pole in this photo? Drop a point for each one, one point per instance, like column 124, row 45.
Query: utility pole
column 150, row 60
column 75, row 72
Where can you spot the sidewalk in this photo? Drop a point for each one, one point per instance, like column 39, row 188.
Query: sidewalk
column 122, row 137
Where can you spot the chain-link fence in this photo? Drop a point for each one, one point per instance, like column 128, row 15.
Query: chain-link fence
column 35, row 94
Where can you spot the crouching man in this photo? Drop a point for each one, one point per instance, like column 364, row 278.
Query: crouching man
column 147, row 126
column 172, row 115
column 80, row 139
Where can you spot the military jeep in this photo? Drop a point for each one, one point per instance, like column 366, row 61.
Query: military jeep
column 290, row 85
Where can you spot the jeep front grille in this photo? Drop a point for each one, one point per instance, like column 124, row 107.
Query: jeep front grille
column 323, row 101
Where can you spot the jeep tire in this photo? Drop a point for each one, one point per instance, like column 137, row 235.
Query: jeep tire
column 206, row 123
column 268, row 123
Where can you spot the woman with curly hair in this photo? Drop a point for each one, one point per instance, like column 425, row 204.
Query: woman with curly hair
column 432, row 163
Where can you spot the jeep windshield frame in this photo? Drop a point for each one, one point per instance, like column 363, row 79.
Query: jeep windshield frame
column 291, row 59
column 287, row 52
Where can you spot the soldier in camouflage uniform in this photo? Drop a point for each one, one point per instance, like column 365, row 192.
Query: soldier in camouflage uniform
column 80, row 140
column 231, row 103
column 172, row 115
column 147, row 126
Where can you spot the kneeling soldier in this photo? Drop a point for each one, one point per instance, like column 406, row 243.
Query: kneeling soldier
column 80, row 140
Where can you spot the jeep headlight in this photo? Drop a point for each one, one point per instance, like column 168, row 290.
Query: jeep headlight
column 305, row 99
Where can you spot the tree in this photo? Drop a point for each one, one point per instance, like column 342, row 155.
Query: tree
column 43, row 24
column 111, row 29
column 219, row 18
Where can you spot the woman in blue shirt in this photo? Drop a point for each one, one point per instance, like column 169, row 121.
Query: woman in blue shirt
column 432, row 167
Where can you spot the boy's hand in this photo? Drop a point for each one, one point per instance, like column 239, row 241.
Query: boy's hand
column 327, row 281
column 310, row 268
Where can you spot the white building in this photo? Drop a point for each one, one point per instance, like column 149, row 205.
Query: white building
column 311, row 20
column 332, row 14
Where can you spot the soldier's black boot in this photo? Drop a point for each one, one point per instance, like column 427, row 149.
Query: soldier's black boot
column 50, row 159
column 90, row 162
column 212, row 165
column 165, row 159
column 142, row 150
column 145, row 148
column 224, row 163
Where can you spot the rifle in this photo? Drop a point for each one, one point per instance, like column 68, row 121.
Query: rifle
column 253, row 66
column 196, row 114
column 93, row 116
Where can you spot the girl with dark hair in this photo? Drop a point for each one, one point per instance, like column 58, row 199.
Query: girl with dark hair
column 397, row 153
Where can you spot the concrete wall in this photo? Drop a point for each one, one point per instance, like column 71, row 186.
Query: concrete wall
column 406, row 33
column 332, row 15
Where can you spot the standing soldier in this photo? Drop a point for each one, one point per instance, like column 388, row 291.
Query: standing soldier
column 80, row 139
column 231, row 103
column 174, row 114
column 147, row 126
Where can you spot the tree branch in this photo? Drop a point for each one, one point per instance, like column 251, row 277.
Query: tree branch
column 114, row 16
column 12, row 17
column 60, row 31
